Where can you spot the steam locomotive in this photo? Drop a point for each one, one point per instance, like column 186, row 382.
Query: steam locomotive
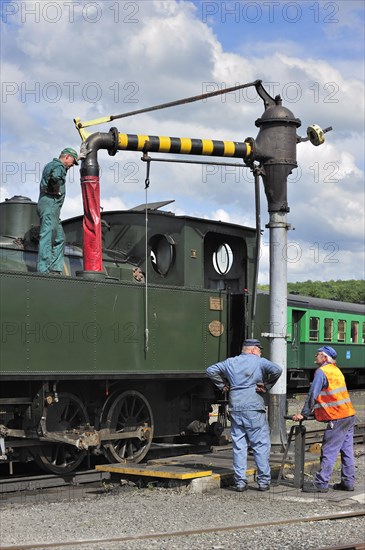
column 107, row 363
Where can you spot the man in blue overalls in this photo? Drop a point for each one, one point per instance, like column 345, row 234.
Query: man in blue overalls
column 51, row 197
column 247, row 376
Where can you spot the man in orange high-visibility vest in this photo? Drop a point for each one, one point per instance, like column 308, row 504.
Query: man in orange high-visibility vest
column 329, row 399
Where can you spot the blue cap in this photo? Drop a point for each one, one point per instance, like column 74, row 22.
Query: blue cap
column 252, row 342
column 328, row 351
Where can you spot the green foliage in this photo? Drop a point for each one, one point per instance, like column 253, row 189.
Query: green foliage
column 345, row 291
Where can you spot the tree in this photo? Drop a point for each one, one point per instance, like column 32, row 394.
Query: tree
column 345, row 291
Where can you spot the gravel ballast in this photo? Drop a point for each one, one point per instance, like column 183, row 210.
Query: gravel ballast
column 120, row 510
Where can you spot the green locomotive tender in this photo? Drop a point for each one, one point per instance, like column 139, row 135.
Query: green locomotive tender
column 106, row 363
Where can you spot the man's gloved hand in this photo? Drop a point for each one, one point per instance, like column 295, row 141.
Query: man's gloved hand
column 260, row 387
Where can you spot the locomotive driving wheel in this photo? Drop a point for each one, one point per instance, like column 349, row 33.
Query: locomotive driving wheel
column 67, row 414
column 127, row 412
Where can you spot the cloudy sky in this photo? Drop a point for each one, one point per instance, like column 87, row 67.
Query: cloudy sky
column 64, row 59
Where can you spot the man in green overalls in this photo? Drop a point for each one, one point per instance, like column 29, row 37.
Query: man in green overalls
column 51, row 198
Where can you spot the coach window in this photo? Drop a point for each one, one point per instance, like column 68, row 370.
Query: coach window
column 314, row 329
column 355, row 332
column 363, row 333
column 341, row 330
column 328, row 329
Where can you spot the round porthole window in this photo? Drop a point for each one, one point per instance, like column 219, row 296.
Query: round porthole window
column 162, row 253
column 223, row 259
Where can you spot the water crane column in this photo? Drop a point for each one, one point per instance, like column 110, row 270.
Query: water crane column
column 275, row 147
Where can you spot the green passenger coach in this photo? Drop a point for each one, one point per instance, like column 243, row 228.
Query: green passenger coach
column 315, row 322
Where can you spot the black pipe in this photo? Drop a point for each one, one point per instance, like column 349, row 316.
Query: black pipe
column 256, row 172
column 89, row 150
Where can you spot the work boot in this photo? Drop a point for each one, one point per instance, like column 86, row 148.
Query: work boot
column 342, row 487
column 313, row 488
column 241, row 488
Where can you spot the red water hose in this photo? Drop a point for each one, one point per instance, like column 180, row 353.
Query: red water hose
column 92, row 223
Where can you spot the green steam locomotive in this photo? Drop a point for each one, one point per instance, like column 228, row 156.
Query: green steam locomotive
column 105, row 363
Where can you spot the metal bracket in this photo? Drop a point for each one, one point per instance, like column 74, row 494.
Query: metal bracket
column 278, row 225
column 114, row 148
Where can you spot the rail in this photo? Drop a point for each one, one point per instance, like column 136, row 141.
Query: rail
column 185, row 533
column 48, row 481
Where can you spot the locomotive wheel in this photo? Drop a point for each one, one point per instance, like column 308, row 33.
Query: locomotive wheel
column 127, row 411
column 68, row 414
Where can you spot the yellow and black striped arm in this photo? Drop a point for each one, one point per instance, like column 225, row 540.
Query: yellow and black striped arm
column 183, row 146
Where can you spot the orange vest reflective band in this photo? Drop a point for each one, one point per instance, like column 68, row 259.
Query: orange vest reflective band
column 334, row 402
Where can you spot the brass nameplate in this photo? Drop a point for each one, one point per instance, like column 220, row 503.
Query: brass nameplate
column 216, row 304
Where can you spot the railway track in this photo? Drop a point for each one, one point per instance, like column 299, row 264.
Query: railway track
column 189, row 532
column 30, row 483
column 47, row 481
column 34, row 481
column 314, row 436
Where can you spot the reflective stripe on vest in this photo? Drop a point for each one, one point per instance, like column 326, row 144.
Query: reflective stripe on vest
column 334, row 402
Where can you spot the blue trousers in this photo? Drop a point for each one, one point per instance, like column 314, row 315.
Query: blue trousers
column 250, row 427
column 337, row 439
column 51, row 236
